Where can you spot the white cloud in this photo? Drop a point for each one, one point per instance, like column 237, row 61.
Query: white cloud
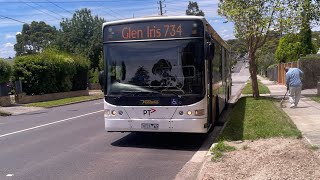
column 7, row 50
column 9, row 44
column 9, row 36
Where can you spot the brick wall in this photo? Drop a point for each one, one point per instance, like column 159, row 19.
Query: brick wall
column 24, row 99
column 94, row 86
column 5, row 101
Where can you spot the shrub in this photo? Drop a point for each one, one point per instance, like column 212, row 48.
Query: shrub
column 273, row 65
column 94, row 76
column 311, row 57
column 5, row 71
column 48, row 72
column 80, row 79
column 289, row 49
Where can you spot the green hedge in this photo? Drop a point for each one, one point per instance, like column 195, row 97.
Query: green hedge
column 51, row 71
column 5, row 71
column 94, row 75
column 311, row 57
column 80, row 79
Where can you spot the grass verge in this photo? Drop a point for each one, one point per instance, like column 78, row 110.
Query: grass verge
column 262, row 88
column 4, row 114
column 258, row 118
column 65, row 101
column 218, row 150
column 316, row 98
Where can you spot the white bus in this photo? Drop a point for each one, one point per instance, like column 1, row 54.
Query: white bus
column 164, row 74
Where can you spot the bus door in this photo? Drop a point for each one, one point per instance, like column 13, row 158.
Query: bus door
column 209, row 57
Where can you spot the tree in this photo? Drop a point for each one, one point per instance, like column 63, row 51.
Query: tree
column 5, row 71
column 34, row 38
column 289, row 48
column 82, row 35
column 316, row 39
column 193, row 9
column 266, row 54
column 305, row 32
column 253, row 21
column 238, row 50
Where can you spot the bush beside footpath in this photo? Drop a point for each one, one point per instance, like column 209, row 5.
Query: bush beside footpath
column 51, row 71
column 5, row 71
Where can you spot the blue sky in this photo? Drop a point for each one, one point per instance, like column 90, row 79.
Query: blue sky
column 52, row 11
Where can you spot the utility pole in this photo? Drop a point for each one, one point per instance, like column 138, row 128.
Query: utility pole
column 161, row 7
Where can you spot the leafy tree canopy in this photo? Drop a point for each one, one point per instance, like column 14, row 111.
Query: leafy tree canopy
column 193, row 9
column 82, row 35
column 289, row 49
column 253, row 22
column 5, row 71
column 34, row 38
column 316, row 39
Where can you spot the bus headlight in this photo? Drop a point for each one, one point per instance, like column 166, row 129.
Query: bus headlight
column 189, row 113
column 113, row 112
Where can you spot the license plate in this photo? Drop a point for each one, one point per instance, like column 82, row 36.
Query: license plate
column 153, row 126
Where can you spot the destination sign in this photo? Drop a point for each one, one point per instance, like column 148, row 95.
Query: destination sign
column 153, row 30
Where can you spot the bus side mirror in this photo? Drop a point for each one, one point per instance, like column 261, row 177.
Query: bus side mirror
column 101, row 79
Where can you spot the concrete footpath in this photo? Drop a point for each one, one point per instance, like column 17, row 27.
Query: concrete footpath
column 306, row 115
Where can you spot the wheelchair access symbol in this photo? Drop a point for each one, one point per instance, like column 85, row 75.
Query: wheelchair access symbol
column 174, row 102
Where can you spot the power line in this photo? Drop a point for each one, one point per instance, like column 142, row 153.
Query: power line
column 26, row 15
column 13, row 19
column 59, row 2
column 39, row 9
column 108, row 12
column 48, row 10
column 59, row 6
column 118, row 14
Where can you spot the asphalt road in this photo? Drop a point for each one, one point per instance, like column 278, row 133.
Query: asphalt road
column 70, row 142
column 240, row 76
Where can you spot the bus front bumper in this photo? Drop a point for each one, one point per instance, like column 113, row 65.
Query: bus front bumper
column 157, row 125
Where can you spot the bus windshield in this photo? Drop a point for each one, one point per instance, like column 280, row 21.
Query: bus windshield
column 159, row 68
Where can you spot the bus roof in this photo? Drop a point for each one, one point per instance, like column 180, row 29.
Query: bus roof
column 152, row 18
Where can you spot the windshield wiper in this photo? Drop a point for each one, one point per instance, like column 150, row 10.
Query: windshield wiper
column 172, row 93
column 138, row 93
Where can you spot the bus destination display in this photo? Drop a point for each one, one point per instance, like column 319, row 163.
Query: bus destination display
column 153, row 30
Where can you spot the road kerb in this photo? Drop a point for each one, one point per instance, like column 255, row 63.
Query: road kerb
column 197, row 162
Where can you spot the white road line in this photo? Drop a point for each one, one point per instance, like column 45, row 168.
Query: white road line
column 9, row 175
column 48, row 124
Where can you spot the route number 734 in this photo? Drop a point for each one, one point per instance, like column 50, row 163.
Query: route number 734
column 172, row 30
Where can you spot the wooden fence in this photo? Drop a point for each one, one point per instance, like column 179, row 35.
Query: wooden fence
column 282, row 72
column 310, row 68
